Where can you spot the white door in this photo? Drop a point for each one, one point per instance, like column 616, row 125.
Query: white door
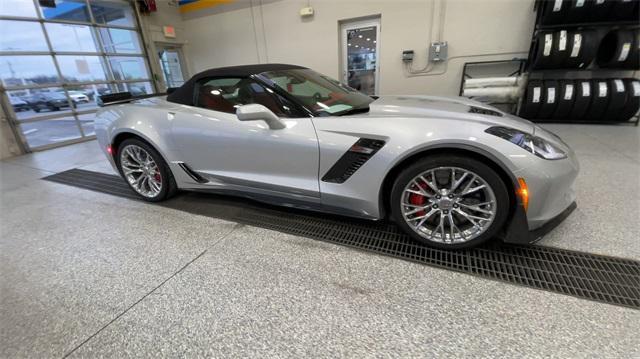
column 360, row 42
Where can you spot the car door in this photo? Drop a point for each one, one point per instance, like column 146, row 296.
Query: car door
column 247, row 155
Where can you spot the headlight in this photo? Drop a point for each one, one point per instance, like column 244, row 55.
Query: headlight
column 529, row 142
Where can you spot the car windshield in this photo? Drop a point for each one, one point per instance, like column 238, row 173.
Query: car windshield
column 321, row 94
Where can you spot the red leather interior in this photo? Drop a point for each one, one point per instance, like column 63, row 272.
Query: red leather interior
column 251, row 92
column 208, row 99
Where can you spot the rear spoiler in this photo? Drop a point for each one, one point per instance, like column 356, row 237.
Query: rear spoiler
column 124, row 97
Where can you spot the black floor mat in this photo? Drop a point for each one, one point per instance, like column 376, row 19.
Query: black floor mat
column 584, row 275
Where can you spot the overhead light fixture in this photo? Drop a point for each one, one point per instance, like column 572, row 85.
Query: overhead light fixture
column 357, row 46
column 348, row 44
column 374, row 41
column 360, row 36
column 368, row 39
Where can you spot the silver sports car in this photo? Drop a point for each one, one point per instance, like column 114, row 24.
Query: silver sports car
column 451, row 172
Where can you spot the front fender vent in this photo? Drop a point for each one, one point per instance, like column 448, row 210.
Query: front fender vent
column 191, row 173
column 352, row 160
column 484, row 111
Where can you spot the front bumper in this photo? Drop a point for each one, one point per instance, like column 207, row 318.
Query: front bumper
column 517, row 231
column 551, row 186
column 552, row 198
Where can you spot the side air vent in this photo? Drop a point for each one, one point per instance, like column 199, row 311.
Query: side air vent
column 484, row 111
column 352, row 160
column 193, row 174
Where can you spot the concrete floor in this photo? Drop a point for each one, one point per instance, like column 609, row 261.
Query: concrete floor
column 88, row 274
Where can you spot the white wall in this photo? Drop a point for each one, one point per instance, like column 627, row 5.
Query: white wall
column 274, row 32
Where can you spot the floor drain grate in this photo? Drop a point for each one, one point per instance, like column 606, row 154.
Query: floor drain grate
column 584, row 275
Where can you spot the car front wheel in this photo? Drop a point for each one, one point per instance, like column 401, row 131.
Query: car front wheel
column 449, row 201
column 145, row 170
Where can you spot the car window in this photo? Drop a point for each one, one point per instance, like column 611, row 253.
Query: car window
column 321, row 94
column 226, row 94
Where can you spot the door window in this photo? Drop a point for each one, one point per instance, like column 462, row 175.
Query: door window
column 171, row 64
column 226, row 94
column 360, row 44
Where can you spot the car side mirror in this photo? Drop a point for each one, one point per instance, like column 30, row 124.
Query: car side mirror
column 254, row 112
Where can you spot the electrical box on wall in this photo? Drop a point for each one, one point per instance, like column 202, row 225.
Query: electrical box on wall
column 438, row 51
column 306, row 11
column 407, row 55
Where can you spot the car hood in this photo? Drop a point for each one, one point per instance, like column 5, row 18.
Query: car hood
column 456, row 108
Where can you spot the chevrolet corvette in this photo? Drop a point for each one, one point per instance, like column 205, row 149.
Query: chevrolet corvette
column 450, row 172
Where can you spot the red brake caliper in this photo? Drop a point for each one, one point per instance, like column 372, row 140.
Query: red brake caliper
column 418, row 199
column 157, row 176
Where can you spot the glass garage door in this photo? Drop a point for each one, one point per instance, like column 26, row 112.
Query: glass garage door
column 56, row 60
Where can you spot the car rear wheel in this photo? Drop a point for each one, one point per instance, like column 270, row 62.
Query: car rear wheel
column 145, row 170
column 449, row 202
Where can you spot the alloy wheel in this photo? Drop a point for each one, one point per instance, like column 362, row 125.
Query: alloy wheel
column 141, row 171
column 448, row 205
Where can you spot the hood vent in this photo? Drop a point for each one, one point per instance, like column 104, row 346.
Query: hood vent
column 484, row 111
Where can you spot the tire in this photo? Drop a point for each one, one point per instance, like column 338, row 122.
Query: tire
column 599, row 11
column 583, row 45
column 617, row 100
column 561, row 49
column 632, row 105
column 533, row 99
column 633, row 60
column 600, row 94
column 551, row 94
column 543, row 50
column 488, row 177
column 36, row 109
column 566, row 98
column 582, row 100
column 578, row 11
column 555, row 11
column 624, row 10
column 168, row 185
column 616, row 49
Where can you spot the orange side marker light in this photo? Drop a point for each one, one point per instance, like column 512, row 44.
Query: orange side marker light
column 523, row 193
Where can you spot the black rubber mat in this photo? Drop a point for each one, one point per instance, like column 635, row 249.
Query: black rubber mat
column 584, row 275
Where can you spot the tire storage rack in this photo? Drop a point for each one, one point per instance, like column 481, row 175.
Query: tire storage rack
column 583, row 62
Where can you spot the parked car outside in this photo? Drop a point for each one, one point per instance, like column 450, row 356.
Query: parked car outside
column 52, row 101
column 18, row 104
column 78, row 97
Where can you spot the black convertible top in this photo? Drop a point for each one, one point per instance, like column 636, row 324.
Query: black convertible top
column 184, row 94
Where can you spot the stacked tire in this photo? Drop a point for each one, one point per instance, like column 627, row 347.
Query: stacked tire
column 620, row 49
column 564, row 49
column 600, row 100
column 582, row 11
